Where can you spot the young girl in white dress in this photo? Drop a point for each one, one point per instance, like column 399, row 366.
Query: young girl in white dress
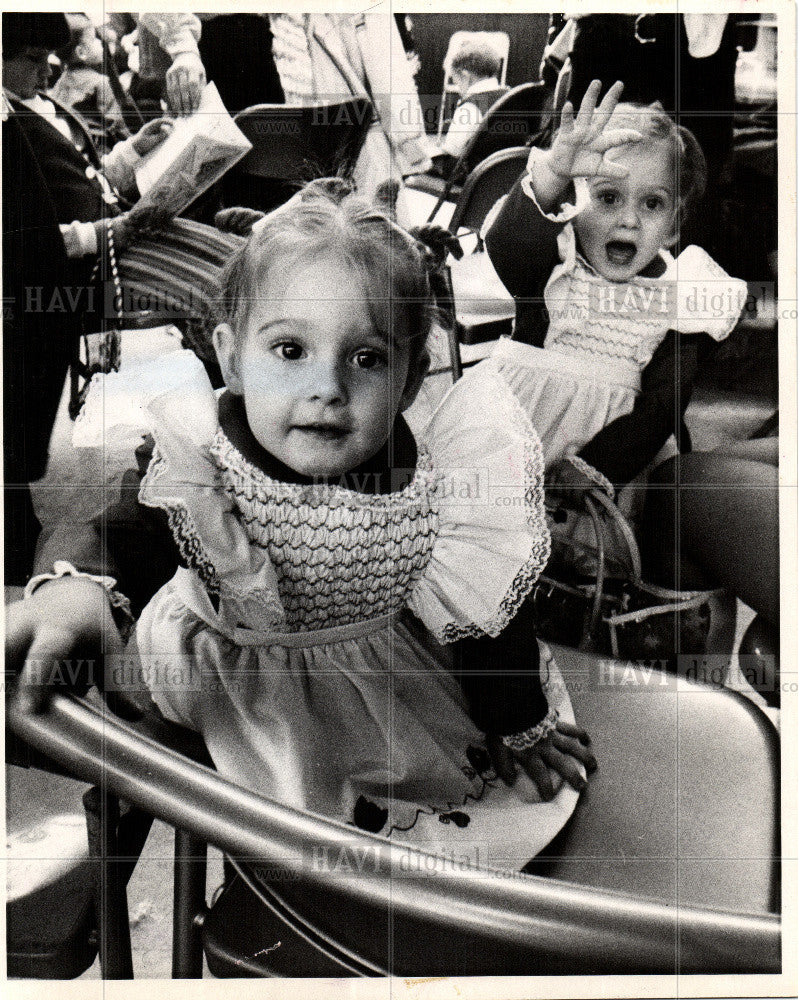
column 604, row 352
column 336, row 575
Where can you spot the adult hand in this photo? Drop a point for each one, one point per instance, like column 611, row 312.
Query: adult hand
column 558, row 752
column 185, row 79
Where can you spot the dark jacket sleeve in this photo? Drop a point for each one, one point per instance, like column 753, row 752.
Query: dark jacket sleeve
column 501, row 677
column 522, row 246
column 623, row 448
column 128, row 541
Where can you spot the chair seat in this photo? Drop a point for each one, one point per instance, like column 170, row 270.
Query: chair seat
column 685, row 807
column 483, row 307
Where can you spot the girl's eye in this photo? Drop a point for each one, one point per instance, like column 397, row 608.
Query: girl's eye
column 367, row 359
column 653, row 203
column 607, row 197
column 288, row 350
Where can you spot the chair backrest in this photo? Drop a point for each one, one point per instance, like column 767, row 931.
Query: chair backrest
column 486, row 183
column 499, row 41
column 292, row 144
column 513, row 120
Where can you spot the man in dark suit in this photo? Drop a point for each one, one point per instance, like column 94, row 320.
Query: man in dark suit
column 37, row 341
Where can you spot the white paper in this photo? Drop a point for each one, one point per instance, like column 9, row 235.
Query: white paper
column 197, row 152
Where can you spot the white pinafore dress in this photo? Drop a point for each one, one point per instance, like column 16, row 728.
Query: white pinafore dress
column 601, row 337
column 288, row 643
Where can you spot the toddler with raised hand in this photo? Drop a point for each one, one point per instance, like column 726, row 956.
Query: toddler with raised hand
column 600, row 359
column 336, row 575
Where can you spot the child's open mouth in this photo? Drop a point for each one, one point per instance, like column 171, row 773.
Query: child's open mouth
column 620, row 252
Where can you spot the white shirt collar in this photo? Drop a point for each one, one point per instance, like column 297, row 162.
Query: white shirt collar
column 42, row 106
column 482, row 87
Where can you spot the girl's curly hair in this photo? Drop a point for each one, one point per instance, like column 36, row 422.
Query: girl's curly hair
column 329, row 218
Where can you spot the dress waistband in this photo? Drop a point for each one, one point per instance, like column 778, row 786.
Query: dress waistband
column 316, row 637
column 194, row 596
column 592, row 369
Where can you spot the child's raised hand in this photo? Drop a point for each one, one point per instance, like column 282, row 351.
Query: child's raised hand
column 581, row 144
column 580, row 147
column 58, row 637
column 556, row 752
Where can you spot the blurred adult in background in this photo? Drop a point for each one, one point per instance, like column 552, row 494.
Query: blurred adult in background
column 84, row 87
column 81, row 189
column 332, row 57
column 38, row 341
column 81, row 184
column 179, row 53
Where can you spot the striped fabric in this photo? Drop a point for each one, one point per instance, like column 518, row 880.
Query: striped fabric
column 172, row 277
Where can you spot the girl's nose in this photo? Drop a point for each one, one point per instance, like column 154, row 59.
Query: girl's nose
column 327, row 384
column 628, row 216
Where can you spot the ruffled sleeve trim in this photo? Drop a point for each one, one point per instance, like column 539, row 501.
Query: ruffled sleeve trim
column 568, row 210
column 493, row 540
column 708, row 300
column 184, row 480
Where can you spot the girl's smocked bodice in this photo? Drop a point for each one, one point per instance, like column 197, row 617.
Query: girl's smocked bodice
column 620, row 322
column 625, row 322
column 340, row 556
column 460, row 545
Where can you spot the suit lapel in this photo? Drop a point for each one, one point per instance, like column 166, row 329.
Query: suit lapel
column 35, row 120
column 78, row 124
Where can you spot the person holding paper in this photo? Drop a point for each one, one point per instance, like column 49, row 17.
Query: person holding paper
column 83, row 186
column 170, row 64
column 162, row 265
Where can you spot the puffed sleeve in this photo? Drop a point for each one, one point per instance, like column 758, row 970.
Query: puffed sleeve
column 492, row 540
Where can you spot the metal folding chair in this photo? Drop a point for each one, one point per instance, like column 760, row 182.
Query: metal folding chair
column 669, row 864
column 512, row 121
column 292, row 145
